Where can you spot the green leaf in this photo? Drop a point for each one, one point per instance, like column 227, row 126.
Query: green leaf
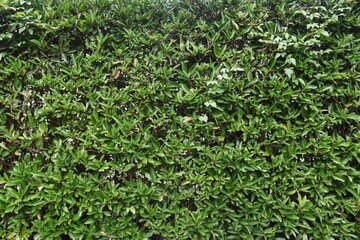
column 43, row 128
column 211, row 103
column 77, row 216
column 90, row 221
column 353, row 117
column 203, row 118
column 234, row 24
column 289, row 72
column 325, row 33
column 131, row 209
column 128, row 167
column 292, row 61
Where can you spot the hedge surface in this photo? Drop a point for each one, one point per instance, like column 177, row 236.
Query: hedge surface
column 181, row 119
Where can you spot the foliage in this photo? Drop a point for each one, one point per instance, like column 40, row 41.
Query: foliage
column 224, row 119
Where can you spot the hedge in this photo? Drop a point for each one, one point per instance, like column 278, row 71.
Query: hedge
column 182, row 119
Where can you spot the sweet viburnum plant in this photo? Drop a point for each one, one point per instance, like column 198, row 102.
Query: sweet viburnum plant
column 183, row 119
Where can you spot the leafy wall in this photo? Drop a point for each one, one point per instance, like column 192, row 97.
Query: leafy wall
column 183, row 119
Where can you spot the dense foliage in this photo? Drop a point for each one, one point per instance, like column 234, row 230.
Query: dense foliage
column 181, row 119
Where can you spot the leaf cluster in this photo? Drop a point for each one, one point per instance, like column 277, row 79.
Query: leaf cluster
column 224, row 119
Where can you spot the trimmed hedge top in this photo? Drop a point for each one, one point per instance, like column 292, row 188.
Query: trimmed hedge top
column 181, row 119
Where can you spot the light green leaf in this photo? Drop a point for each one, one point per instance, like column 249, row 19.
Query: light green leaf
column 43, row 127
column 128, row 167
column 203, row 118
column 292, row 61
column 289, row 72
column 211, row 103
column 130, row 209
column 325, row 33
column 353, row 117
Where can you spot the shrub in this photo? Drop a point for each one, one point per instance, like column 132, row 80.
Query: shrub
column 186, row 119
